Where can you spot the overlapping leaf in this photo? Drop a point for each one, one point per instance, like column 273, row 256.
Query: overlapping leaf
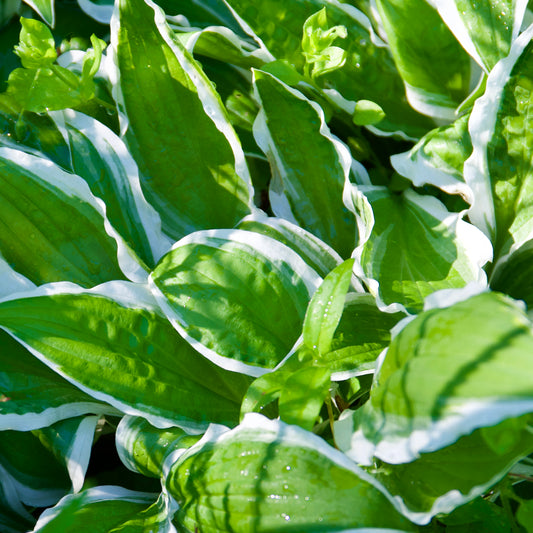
column 112, row 343
column 192, row 166
column 417, row 247
column 448, row 372
column 239, row 297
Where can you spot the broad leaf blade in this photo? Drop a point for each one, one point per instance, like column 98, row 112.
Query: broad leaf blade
column 192, row 166
column 268, row 476
column 112, row 343
column 417, row 247
column 102, row 159
column 309, row 169
column 315, row 252
column 448, row 372
column 433, row 65
column 53, row 227
column 238, row 296
column 99, row 510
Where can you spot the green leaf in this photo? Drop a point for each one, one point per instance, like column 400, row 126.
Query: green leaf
column 103, row 161
column 45, row 8
column 524, row 515
column 309, row 169
column 70, row 441
column 417, row 247
column 303, row 396
column 325, row 308
column 238, row 297
column 32, row 396
column 144, row 448
column 54, row 229
column 43, row 86
column 499, row 170
column 193, row 169
column 368, row 73
column 37, row 47
column 448, row 372
column 112, row 343
column 361, row 335
column 268, row 476
column 440, row 481
column 103, row 510
column 438, row 159
column 485, row 30
column 316, row 44
column 14, row 517
column 433, row 65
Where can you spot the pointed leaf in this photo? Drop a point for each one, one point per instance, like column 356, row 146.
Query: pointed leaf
column 433, row 65
column 100, row 510
column 315, row 252
column 102, row 159
column 325, row 308
column 113, row 344
column 239, row 297
column 45, row 8
column 485, row 29
column 32, row 396
column 192, row 166
column 309, row 169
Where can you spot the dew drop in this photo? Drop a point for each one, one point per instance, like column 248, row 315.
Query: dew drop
column 287, row 467
column 286, row 516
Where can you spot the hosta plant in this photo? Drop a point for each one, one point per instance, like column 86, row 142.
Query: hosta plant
column 266, row 266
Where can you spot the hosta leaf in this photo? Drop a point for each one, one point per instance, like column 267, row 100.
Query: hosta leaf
column 71, row 441
column 325, row 308
column 368, row 73
column 499, row 170
column 102, row 159
column 107, row 509
column 100, row 10
column 40, row 478
column 193, row 169
column 11, row 281
column 433, row 65
column 440, row 481
column 268, row 476
column 417, row 247
column 54, row 229
column 32, row 396
column 45, row 8
column 485, row 29
column 239, row 297
column 309, row 169
column 438, row 159
column 361, row 335
column 448, row 372
column 315, row 252
column 112, row 343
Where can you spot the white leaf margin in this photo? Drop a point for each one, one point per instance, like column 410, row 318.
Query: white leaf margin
column 126, row 175
column 72, row 186
column 128, row 295
column 481, row 126
column 250, row 242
